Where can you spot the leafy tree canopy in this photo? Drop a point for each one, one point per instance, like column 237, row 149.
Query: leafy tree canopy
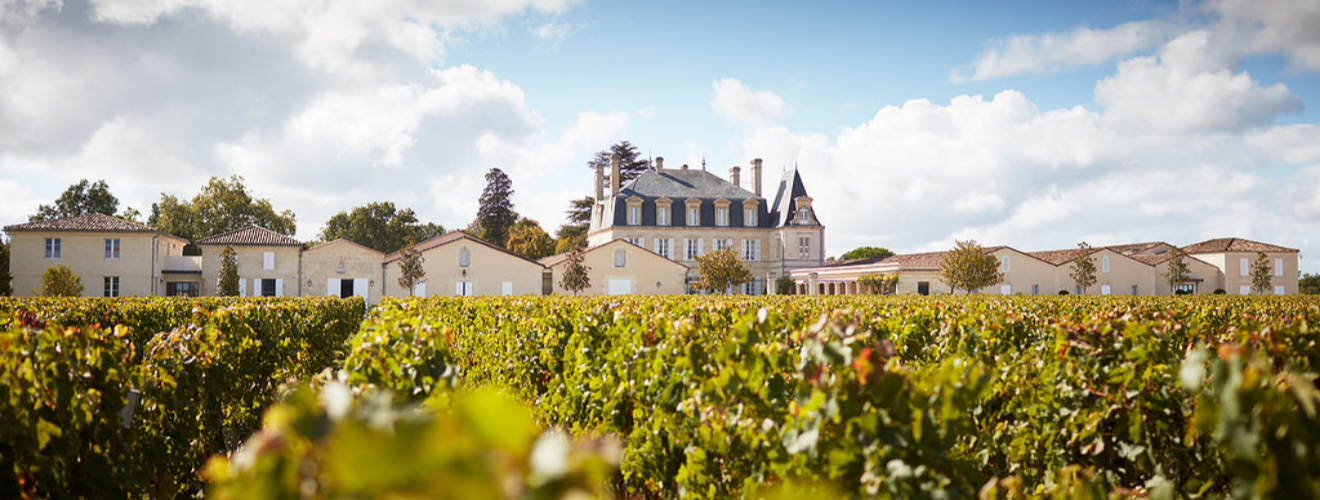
column 411, row 271
column 1309, row 284
column 721, row 270
column 59, row 281
column 495, row 214
column 570, row 237
column 81, row 198
column 221, row 206
column 529, row 240
column 879, row 284
column 228, row 272
column 577, row 276
column 379, row 226
column 969, row 267
column 1261, row 274
column 1177, row 271
column 867, row 253
column 631, row 164
column 1083, row 267
column 6, row 279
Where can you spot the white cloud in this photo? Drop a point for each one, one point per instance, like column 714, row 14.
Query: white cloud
column 739, row 104
column 1052, row 52
column 1272, row 26
column 1181, row 91
column 15, row 206
column 1290, row 144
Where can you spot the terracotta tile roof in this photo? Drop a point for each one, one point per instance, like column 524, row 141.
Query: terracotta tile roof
column 1218, row 245
column 450, row 237
column 927, row 260
column 251, row 235
column 337, row 241
column 88, row 222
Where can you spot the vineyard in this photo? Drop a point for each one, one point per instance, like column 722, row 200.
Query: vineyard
column 692, row 397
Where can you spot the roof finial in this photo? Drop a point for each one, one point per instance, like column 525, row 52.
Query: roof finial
column 703, row 162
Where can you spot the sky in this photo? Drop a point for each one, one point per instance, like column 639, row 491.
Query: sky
column 1034, row 124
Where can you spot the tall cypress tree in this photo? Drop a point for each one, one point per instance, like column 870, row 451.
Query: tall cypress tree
column 495, row 216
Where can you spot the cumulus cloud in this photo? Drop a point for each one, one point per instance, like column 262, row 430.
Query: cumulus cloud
column 1052, row 52
column 739, row 104
column 1273, row 26
column 1179, row 91
column 917, row 176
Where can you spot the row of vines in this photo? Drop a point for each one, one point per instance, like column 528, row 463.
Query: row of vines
column 636, row 397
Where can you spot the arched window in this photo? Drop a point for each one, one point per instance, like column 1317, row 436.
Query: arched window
column 464, row 257
column 1003, row 264
column 1104, row 264
column 620, row 258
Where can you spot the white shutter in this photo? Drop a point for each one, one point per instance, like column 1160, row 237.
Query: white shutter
column 419, row 289
column 1278, row 268
column 701, row 247
column 279, row 287
column 332, row 287
column 1105, row 290
column 641, row 242
column 756, row 250
column 458, row 288
column 506, row 288
column 1244, row 289
column 1243, row 265
column 1006, row 289
column 268, row 261
column 360, row 287
column 1278, row 290
column 685, row 254
column 656, row 245
column 242, row 287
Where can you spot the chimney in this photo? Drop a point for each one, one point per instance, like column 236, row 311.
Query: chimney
column 614, row 174
column 756, row 176
column 685, row 167
column 600, row 182
column 733, row 175
column 659, row 163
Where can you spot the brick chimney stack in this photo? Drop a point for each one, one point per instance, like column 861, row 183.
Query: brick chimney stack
column 615, row 178
column 600, row 182
column 756, row 177
column 733, row 175
column 659, row 163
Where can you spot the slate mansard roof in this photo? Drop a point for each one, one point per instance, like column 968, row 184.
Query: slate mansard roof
column 681, row 185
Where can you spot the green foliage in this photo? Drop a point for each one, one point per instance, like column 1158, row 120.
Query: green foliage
column 98, row 405
column 6, row 279
column 495, row 215
column 222, row 206
column 879, row 284
column 577, row 276
column 867, row 253
column 59, row 281
column 570, row 236
column 785, row 285
column 1083, row 267
column 411, row 271
column 1309, row 284
column 1177, row 270
column 631, row 164
column 338, row 444
column 969, row 267
column 1261, row 273
column 79, row 199
column 379, row 226
column 228, row 285
column 529, row 240
column 721, row 271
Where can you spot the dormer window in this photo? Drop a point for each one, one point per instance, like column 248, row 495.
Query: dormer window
column 804, row 216
column 749, row 213
column 721, row 216
column 693, row 212
column 634, row 215
column 662, row 211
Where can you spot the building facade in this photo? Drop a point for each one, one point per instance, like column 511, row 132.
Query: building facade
column 112, row 257
column 459, row 264
column 618, row 267
column 680, row 214
column 269, row 263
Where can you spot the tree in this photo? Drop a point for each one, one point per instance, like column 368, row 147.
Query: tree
column 495, row 213
column 6, row 279
column 867, row 253
column 529, row 240
column 1083, row 267
column 1309, row 284
column 721, row 270
column 879, row 284
column 1177, row 271
column 228, row 272
column 1260, row 274
column 222, row 206
column 379, row 226
column 410, row 266
column 630, row 163
column 785, row 285
column 577, row 276
column 81, row 198
column 570, row 237
column 59, row 281
column 969, row 267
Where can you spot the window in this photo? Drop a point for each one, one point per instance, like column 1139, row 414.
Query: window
column 751, row 250
column 923, row 288
column 268, row 287
column 694, row 216
column 691, row 248
column 1278, row 269
column 665, row 247
column 1134, row 289
column 634, row 215
column 721, row 244
column 721, row 217
column 804, row 215
column 464, row 257
column 52, row 248
column 1003, row 264
column 1244, row 289
column 1104, row 264
column 182, row 289
column 620, row 258
column 662, row 216
column 1188, row 289
column 112, row 248
column 1006, row 289
column 341, row 269
column 749, row 217
column 111, row 286
column 1035, row 289
column 1243, row 266
column 804, row 247
column 1106, row 290
column 268, row 261
column 1279, row 290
